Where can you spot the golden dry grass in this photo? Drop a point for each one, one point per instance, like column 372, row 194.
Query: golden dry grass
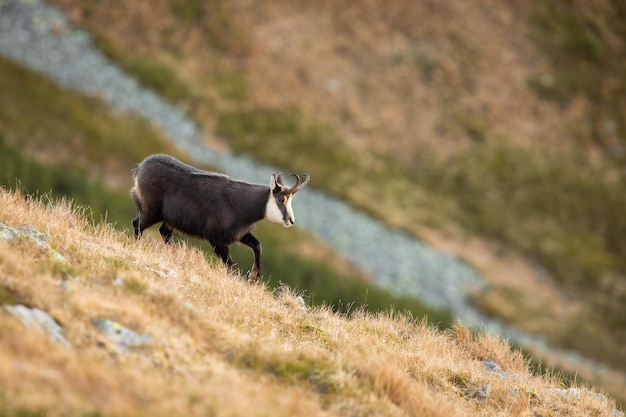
column 223, row 347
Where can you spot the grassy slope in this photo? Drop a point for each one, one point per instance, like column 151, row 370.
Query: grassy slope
column 222, row 347
column 428, row 115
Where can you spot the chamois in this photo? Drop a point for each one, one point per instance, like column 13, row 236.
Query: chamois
column 209, row 205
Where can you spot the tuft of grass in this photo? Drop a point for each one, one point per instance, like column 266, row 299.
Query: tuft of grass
column 8, row 296
column 135, row 285
column 62, row 270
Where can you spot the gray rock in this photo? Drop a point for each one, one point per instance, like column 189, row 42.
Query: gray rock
column 36, row 318
column 493, row 367
column 32, row 234
column 484, row 392
column 566, row 392
column 123, row 336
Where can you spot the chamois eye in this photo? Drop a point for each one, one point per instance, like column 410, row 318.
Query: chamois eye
column 280, row 199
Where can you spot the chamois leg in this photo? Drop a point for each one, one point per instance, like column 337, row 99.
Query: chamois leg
column 136, row 227
column 224, row 254
column 166, row 232
column 249, row 240
column 141, row 223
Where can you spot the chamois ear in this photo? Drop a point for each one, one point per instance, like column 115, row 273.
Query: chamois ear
column 276, row 181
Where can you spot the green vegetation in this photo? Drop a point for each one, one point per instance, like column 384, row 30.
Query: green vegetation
column 8, row 296
column 189, row 10
column 42, row 118
column 586, row 49
column 219, row 26
column 152, row 74
column 560, row 210
column 295, row 141
column 20, row 171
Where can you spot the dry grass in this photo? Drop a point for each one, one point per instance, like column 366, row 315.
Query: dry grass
column 223, row 347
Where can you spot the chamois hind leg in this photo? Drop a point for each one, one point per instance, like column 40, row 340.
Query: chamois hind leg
column 249, row 240
column 166, row 232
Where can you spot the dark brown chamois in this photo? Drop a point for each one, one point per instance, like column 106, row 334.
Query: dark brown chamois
column 209, row 205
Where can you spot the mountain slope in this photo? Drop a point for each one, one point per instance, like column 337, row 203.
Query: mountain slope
column 442, row 120
column 207, row 343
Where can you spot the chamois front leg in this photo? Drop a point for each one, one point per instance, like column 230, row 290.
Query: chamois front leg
column 249, row 240
column 224, row 253
column 142, row 221
column 166, row 232
column 136, row 227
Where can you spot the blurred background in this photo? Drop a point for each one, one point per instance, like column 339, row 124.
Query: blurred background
column 493, row 131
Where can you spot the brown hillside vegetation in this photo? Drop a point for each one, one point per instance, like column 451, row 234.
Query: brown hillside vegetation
column 219, row 346
column 396, row 78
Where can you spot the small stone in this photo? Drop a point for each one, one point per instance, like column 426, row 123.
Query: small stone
column 574, row 392
column 36, row 318
column 496, row 369
column 123, row 336
column 7, row 233
column 492, row 366
column 484, row 392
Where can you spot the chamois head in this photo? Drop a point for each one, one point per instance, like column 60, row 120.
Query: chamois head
column 279, row 208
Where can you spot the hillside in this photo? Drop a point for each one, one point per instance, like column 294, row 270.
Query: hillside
column 493, row 132
column 133, row 329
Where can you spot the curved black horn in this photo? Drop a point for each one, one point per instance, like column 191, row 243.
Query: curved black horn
column 299, row 183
